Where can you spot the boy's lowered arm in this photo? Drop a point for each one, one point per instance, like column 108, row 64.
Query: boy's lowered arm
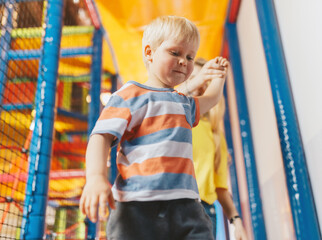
column 214, row 90
column 97, row 154
column 97, row 191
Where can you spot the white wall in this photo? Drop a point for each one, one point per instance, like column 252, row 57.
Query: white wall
column 300, row 25
column 267, row 149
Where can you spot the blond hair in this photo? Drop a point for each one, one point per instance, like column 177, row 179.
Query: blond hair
column 169, row 27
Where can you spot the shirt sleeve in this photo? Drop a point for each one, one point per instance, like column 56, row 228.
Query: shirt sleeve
column 114, row 119
column 195, row 111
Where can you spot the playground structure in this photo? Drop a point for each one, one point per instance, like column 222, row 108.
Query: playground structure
column 31, row 60
column 54, row 67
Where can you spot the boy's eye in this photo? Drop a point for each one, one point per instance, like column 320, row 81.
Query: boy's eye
column 174, row 53
column 189, row 58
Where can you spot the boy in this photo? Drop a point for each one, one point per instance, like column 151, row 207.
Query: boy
column 156, row 191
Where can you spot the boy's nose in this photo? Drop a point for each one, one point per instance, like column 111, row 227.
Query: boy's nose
column 182, row 61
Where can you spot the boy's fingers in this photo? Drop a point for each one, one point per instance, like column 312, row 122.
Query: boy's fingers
column 212, row 72
column 111, row 201
column 224, row 62
column 87, row 206
column 216, row 67
column 93, row 209
column 102, row 205
column 220, row 61
column 215, row 70
column 81, row 205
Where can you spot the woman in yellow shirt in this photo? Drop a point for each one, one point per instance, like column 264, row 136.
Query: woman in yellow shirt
column 210, row 153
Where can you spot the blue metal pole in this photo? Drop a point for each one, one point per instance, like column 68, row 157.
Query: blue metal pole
column 94, row 106
column 22, row 1
column 232, row 167
column 35, row 53
column 5, row 45
column 11, row 107
column 255, row 202
column 34, row 212
column 297, row 176
column 114, row 82
column 96, row 77
column 113, row 169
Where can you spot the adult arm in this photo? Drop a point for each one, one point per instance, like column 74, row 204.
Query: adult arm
column 230, row 211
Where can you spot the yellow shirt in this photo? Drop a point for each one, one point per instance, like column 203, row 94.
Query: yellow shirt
column 203, row 156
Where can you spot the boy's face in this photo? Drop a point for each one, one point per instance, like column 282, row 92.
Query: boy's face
column 171, row 63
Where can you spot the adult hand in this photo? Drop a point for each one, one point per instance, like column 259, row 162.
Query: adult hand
column 240, row 233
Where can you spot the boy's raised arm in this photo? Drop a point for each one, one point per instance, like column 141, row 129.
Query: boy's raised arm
column 97, row 191
column 218, row 69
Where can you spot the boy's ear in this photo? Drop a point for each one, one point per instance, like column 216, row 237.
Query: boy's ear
column 148, row 53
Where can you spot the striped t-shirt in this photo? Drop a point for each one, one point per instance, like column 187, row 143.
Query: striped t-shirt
column 153, row 127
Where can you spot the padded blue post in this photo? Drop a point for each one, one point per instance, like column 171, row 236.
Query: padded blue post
column 297, row 176
column 113, row 169
column 232, row 166
column 34, row 212
column 94, row 106
column 254, row 196
column 5, row 41
column 96, row 78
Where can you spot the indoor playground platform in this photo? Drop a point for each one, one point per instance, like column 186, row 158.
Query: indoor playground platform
column 61, row 60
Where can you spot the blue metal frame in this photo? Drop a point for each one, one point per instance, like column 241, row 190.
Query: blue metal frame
column 96, row 77
column 254, row 196
column 94, row 106
column 297, row 177
column 75, row 115
column 11, row 107
column 35, row 53
column 5, row 41
column 34, row 212
column 232, row 167
column 113, row 169
column 20, row 1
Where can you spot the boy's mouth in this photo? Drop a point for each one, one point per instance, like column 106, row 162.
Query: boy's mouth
column 178, row 71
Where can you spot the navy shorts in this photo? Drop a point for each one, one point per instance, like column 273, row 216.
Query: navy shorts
column 180, row 219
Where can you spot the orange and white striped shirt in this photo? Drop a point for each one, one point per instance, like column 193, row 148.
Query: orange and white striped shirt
column 153, row 127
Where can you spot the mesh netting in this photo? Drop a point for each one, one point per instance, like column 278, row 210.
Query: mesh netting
column 22, row 29
column 18, row 80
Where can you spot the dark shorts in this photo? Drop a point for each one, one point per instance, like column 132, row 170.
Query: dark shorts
column 181, row 219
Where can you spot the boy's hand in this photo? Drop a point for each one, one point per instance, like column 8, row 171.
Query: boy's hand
column 213, row 69
column 217, row 69
column 197, row 83
column 220, row 65
column 96, row 193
